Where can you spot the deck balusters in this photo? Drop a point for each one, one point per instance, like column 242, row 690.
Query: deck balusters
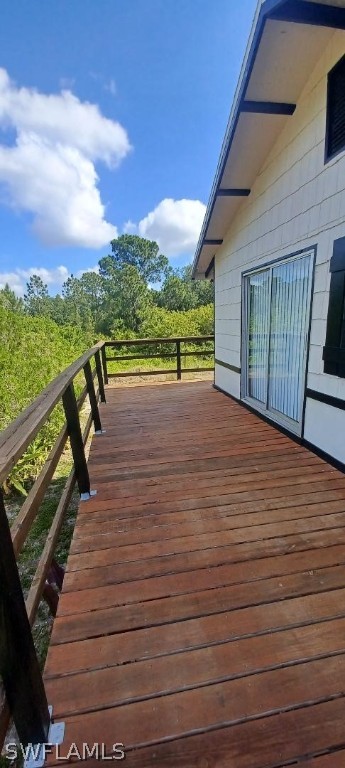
column 19, row 667
column 73, row 426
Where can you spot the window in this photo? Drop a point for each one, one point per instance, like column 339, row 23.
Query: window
column 334, row 350
column 335, row 133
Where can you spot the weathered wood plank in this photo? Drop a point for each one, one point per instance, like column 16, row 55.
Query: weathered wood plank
column 151, row 518
column 74, row 623
column 204, row 558
column 180, row 714
column 203, row 631
column 206, row 578
column 108, row 687
column 202, row 618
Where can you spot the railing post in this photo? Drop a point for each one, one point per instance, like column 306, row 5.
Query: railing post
column 100, row 376
column 178, row 359
column 19, row 666
column 104, row 363
column 92, row 397
column 77, row 446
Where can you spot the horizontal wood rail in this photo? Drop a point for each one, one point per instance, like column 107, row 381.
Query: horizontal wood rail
column 23, row 696
column 166, row 352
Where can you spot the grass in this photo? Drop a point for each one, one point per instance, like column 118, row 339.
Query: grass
column 136, row 366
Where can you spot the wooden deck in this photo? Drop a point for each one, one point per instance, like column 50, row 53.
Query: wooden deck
column 202, row 620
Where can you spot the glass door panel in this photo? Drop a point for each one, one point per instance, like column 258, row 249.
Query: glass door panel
column 258, row 334
column 276, row 323
column 288, row 337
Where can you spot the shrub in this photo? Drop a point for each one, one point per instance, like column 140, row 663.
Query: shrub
column 33, row 351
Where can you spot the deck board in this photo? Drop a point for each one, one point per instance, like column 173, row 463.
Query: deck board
column 202, row 619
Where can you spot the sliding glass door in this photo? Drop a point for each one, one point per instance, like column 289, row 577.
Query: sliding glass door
column 276, row 322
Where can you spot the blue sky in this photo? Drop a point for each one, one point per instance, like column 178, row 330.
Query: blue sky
column 112, row 114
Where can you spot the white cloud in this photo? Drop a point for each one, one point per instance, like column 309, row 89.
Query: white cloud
column 111, row 87
column 66, row 82
column 106, row 85
column 50, row 170
column 19, row 277
column 81, row 272
column 130, row 228
column 174, row 224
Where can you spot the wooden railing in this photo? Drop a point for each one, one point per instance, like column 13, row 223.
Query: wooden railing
column 164, row 348
column 24, row 695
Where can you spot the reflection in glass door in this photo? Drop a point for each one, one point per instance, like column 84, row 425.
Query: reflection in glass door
column 277, row 309
column 258, row 334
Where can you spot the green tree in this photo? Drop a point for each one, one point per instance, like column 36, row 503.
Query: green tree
column 9, row 300
column 180, row 293
column 127, row 298
column 93, row 289
column 135, row 251
column 84, row 300
column 158, row 321
column 57, row 309
column 36, row 299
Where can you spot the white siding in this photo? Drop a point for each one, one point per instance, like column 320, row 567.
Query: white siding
column 325, row 428
column 227, row 380
column 297, row 201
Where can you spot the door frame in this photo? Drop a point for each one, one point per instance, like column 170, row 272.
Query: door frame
column 289, row 424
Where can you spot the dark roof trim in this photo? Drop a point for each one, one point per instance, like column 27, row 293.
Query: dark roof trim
column 289, row 10
column 233, row 192
column 268, row 107
column 311, row 13
column 212, row 242
column 210, row 267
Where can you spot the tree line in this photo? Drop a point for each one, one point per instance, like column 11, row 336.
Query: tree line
column 135, row 293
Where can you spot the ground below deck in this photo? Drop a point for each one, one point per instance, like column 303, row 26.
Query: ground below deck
column 202, row 620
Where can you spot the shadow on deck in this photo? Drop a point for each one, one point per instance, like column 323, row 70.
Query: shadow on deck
column 202, row 619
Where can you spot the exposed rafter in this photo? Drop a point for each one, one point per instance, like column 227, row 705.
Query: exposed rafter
column 233, row 192
column 318, row 14
column 268, row 107
column 209, row 268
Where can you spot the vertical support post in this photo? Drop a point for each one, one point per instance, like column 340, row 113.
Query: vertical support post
column 104, row 363
column 92, row 397
column 76, row 440
column 57, row 573
column 100, row 376
column 178, row 359
column 19, row 666
column 51, row 597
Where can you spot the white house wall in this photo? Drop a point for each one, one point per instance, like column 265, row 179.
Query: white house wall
column 297, row 201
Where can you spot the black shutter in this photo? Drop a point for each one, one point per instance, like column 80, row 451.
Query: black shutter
column 334, row 349
column 335, row 138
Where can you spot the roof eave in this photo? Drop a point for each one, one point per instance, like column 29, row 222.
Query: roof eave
column 297, row 11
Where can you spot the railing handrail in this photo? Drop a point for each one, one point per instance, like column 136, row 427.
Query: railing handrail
column 179, row 354
column 21, row 676
column 21, row 432
column 158, row 340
